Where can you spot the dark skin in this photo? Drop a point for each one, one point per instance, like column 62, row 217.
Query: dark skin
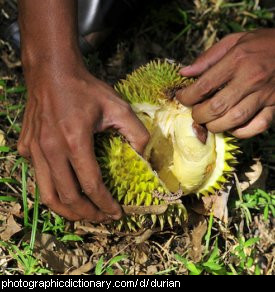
column 67, row 105
column 243, row 65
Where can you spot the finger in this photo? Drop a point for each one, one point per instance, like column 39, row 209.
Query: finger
column 211, row 56
column 48, row 194
column 84, row 163
column 62, row 175
column 129, row 125
column 259, row 124
column 218, row 105
column 212, row 80
column 69, row 193
column 26, row 134
column 238, row 115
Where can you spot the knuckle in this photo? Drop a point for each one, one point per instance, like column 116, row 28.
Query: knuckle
column 92, row 188
column 263, row 124
column 239, row 115
column 47, row 144
column 47, row 200
column 46, row 140
column 71, row 132
column 218, row 107
column 22, row 149
column 239, row 53
column 259, row 74
column 204, row 86
column 73, row 142
column 68, row 199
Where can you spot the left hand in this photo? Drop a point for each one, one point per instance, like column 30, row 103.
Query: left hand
column 236, row 89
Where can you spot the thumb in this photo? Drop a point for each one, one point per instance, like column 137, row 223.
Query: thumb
column 211, row 56
column 133, row 130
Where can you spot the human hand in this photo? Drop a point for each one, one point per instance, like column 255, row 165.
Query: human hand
column 236, row 89
column 66, row 106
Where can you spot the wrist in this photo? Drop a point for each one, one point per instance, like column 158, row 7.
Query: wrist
column 54, row 67
column 32, row 57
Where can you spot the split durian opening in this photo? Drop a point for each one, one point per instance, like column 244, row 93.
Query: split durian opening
column 174, row 151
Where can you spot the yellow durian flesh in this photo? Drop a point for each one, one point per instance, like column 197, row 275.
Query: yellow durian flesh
column 181, row 160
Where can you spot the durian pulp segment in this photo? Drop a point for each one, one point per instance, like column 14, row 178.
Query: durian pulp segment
column 181, row 160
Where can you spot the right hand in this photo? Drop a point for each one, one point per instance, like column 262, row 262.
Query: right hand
column 65, row 107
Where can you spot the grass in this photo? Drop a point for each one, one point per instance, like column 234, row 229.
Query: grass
column 178, row 30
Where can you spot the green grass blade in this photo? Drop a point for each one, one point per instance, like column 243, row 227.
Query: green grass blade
column 8, row 199
column 24, row 194
column 208, row 234
column 99, row 266
column 35, row 219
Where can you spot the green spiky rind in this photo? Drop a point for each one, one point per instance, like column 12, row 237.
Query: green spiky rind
column 156, row 78
column 132, row 182
column 175, row 215
column 232, row 149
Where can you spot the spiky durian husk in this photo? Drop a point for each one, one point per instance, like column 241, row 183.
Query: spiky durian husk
column 150, row 90
column 152, row 84
column 132, row 182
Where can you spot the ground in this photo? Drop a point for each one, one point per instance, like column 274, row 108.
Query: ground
column 33, row 240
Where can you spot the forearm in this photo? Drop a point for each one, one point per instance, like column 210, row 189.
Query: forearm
column 48, row 32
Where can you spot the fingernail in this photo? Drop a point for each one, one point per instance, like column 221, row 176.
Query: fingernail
column 185, row 70
column 179, row 93
column 116, row 217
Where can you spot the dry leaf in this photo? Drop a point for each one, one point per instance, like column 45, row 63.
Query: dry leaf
column 2, row 138
column 85, row 227
column 214, row 204
column 196, row 240
column 9, row 63
column 57, row 255
column 83, row 269
column 99, row 245
column 152, row 270
column 144, row 236
column 12, row 227
column 255, row 177
column 139, row 255
column 16, row 210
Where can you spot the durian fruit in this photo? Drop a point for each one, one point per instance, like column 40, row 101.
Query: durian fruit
column 181, row 157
